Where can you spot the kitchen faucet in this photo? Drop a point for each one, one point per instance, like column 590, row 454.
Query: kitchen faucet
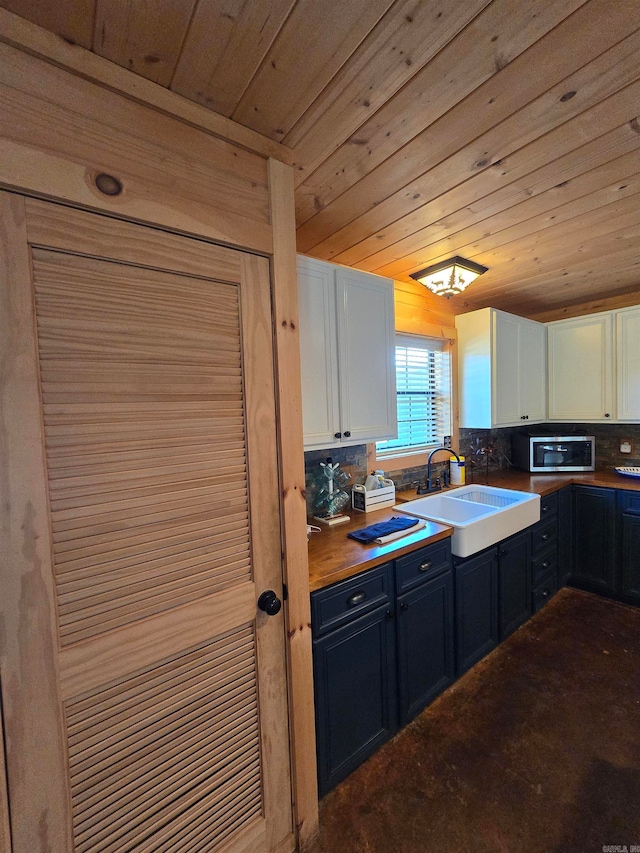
column 425, row 488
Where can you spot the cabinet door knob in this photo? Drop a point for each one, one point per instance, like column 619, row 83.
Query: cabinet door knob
column 607, row 415
column 356, row 598
column 404, row 606
column 503, row 553
column 545, row 536
column 337, row 435
column 269, row 602
column 424, row 567
column 545, row 508
column 390, row 614
column 347, row 433
column 546, row 564
column 545, row 593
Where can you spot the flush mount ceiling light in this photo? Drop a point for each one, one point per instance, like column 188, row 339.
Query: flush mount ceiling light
column 448, row 278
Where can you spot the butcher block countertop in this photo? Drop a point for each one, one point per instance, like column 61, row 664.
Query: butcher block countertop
column 334, row 557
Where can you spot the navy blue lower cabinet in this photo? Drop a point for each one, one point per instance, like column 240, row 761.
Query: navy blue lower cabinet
column 514, row 583
column 355, row 690
column 426, row 663
column 594, row 543
column 629, row 504
column 476, row 610
column 565, row 537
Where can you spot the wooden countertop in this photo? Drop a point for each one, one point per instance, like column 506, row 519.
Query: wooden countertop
column 334, row 557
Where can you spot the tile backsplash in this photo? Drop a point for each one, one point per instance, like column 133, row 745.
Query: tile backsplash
column 497, row 442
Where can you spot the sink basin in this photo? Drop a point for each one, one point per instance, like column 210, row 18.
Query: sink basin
column 480, row 515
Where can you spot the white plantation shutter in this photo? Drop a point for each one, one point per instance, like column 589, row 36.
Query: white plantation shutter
column 423, row 377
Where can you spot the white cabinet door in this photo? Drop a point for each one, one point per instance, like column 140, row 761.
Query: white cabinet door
column 581, row 368
column 533, row 371
column 505, row 390
column 502, row 369
column 628, row 372
column 366, row 355
column 318, row 352
column 347, row 352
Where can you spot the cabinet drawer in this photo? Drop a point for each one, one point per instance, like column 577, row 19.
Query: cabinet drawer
column 543, row 534
column 545, row 564
column 544, row 592
column 629, row 502
column 417, row 567
column 548, row 506
column 342, row 602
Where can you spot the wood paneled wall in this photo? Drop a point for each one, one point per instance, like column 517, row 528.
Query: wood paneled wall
column 59, row 131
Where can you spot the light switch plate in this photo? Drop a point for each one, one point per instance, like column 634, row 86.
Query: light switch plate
column 626, row 446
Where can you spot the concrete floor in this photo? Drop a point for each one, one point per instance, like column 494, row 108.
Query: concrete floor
column 537, row 749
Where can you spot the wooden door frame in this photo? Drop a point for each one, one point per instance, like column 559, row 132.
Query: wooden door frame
column 66, row 188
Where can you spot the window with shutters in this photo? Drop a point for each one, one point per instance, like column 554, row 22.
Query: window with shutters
column 423, row 378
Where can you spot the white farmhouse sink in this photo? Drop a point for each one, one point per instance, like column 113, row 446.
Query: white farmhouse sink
column 480, row 515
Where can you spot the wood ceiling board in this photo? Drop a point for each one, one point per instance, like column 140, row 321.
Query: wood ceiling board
column 573, row 289
column 71, row 19
column 404, row 40
column 600, row 260
column 371, row 204
column 224, row 47
column 624, row 299
column 145, row 38
column 584, row 235
column 571, row 222
column 466, row 207
column 314, row 43
column 574, row 198
column 471, row 59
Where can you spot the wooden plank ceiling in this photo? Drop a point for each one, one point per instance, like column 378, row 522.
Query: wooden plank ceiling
column 501, row 130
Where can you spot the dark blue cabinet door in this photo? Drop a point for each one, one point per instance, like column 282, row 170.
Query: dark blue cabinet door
column 594, row 538
column 565, row 537
column 514, row 585
column 476, row 612
column 425, row 644
column 631, row 557
column 355, row 691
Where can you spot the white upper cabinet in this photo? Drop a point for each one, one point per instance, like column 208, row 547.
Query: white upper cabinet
column 628, row 365
column 581, row 377
column 347, row 351
column 502, row 369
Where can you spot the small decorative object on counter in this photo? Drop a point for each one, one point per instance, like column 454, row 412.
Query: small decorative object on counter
column 456, row 471
column 378, row 492
column 331, row 496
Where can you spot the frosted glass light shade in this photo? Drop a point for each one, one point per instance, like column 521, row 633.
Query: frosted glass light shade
column 450, row 277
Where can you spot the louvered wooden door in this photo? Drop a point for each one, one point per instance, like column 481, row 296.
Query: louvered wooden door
column 144, row 694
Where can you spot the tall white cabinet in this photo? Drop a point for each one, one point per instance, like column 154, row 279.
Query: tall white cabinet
column 347, row 351
column 502, row 369
column 628, row 363
column 581, row 368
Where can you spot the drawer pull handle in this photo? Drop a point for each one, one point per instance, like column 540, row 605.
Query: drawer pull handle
column 424, row 567
column 356, row 598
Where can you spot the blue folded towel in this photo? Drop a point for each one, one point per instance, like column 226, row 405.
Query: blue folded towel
column 382, row 528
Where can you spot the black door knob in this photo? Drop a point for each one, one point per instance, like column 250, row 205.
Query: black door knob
column 269, row 602
column 347, row 433
column 337, row 435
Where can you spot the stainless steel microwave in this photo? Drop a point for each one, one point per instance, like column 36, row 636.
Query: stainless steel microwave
column 540, row 453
